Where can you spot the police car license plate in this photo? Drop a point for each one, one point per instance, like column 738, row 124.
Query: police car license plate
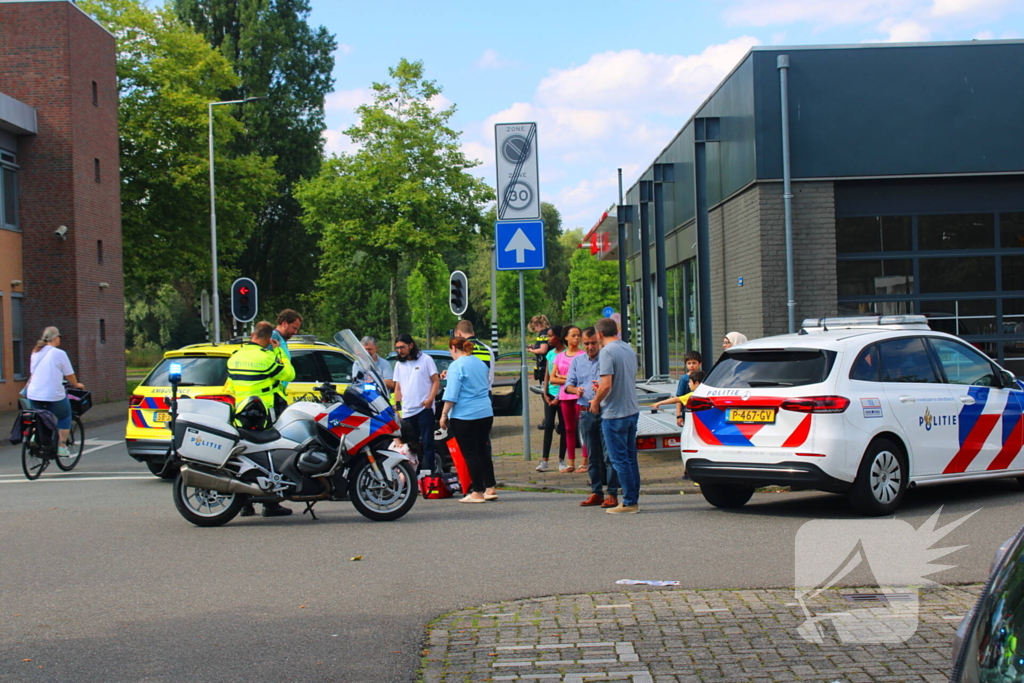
column 162, row 417
column 759, row 415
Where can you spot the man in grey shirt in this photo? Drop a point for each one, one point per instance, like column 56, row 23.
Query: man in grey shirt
column 583, row 380
column 616, row 402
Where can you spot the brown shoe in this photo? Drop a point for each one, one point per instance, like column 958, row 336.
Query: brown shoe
column 623, row 510
column 610, row 502
column 594, row 499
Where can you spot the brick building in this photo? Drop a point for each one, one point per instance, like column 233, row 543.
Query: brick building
column 60, row 233
column 907, row 169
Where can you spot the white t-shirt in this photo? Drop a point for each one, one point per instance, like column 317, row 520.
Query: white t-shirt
column 413, row 376
column 49, row 367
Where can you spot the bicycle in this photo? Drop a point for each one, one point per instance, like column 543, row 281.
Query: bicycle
column 36, row 457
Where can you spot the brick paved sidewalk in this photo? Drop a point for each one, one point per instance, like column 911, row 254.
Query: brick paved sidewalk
column 662, row 635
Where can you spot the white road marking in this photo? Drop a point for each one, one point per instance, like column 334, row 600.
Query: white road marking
column 59, row 478
column 97, row 444
column 72, row 474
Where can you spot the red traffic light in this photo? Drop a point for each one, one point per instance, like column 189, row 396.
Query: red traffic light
column 243, row 290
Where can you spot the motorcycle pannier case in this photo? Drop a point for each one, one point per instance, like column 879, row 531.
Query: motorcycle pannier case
column 204, row 439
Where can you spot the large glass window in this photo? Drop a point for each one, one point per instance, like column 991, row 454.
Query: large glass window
column 956, row 231
column 1, row 336
column 873, row 233
column 682, row 315
column 17, row 338
column 958, row 274
column 1011, row 230
column 882, row 276
column 964, row 271
column 8, row 190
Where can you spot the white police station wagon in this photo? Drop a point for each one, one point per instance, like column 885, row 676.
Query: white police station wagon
column 866, row 406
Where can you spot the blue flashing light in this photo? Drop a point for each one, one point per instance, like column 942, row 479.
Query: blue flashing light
column 174, row 373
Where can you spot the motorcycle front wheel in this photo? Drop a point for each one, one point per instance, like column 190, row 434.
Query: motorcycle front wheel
column 383, row 501
column 204, row 507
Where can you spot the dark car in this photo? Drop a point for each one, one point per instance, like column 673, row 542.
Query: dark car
column 507, row 400
column 989, row 644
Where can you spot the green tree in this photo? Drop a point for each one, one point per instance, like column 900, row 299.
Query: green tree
column 167, row 74
column 406, row 193
column 593, row 284
column 427, row 289
column 556, row 275
column 508, row 299
column 274, row 52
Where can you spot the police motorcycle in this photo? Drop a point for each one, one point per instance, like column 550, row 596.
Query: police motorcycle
column 334, row 449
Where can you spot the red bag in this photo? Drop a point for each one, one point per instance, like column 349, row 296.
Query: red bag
column 433, row 486
column 460, row 464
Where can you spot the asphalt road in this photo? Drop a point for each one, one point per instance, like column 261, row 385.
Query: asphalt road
column 102, row 580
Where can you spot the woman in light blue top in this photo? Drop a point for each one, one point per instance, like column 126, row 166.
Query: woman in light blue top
column 468, row 415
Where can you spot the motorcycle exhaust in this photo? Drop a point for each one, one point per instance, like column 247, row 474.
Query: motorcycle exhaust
column 218, row 483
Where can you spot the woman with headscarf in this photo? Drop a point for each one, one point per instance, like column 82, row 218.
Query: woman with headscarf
column 733, row 339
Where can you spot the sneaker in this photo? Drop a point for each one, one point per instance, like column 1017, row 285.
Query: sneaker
column 63, row 452
column 623, row 510
column 542, row 467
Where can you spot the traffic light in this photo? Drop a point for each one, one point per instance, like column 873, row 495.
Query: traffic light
column 459, row 300
column 243, row 300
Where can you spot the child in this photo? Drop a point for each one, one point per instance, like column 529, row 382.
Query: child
column 695, row 379
column 693, row 364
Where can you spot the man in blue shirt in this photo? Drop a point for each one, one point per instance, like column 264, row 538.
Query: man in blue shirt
column 582, row 380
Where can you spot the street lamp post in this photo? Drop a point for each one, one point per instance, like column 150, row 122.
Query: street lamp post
column 213, row 217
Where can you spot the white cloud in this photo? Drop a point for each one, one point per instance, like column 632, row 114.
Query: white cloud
column 348, row 100
column 345, row 49
column 775, row 12
column 943, row 8
column 439, row 102
column 906, row 31
column 490, row 59
column 670, row 83
column 336, row 142
column 984, row 35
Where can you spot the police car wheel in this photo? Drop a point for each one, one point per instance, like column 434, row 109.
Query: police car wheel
column 726, row 496
column 881, row 480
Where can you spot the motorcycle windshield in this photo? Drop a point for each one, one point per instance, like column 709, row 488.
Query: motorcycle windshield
column 348, row 341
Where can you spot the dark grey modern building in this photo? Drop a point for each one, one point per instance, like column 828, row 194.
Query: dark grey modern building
column 907, row 167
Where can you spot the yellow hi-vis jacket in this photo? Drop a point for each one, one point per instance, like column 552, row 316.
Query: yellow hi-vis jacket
column 483, row 352
column 257, row 371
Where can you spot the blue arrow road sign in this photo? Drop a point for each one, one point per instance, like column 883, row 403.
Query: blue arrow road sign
column 520, row 245
column 607, row 311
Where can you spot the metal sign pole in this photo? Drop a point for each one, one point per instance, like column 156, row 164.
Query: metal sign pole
column 522, row 370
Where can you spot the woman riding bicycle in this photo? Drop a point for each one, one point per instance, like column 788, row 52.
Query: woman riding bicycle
column 45, row 391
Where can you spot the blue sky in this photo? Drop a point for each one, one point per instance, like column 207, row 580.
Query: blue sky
column 609, row 84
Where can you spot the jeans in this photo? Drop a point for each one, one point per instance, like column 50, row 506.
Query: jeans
column 620, row 440
column 423, row 421
column 550, row 413
column 599, row 468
